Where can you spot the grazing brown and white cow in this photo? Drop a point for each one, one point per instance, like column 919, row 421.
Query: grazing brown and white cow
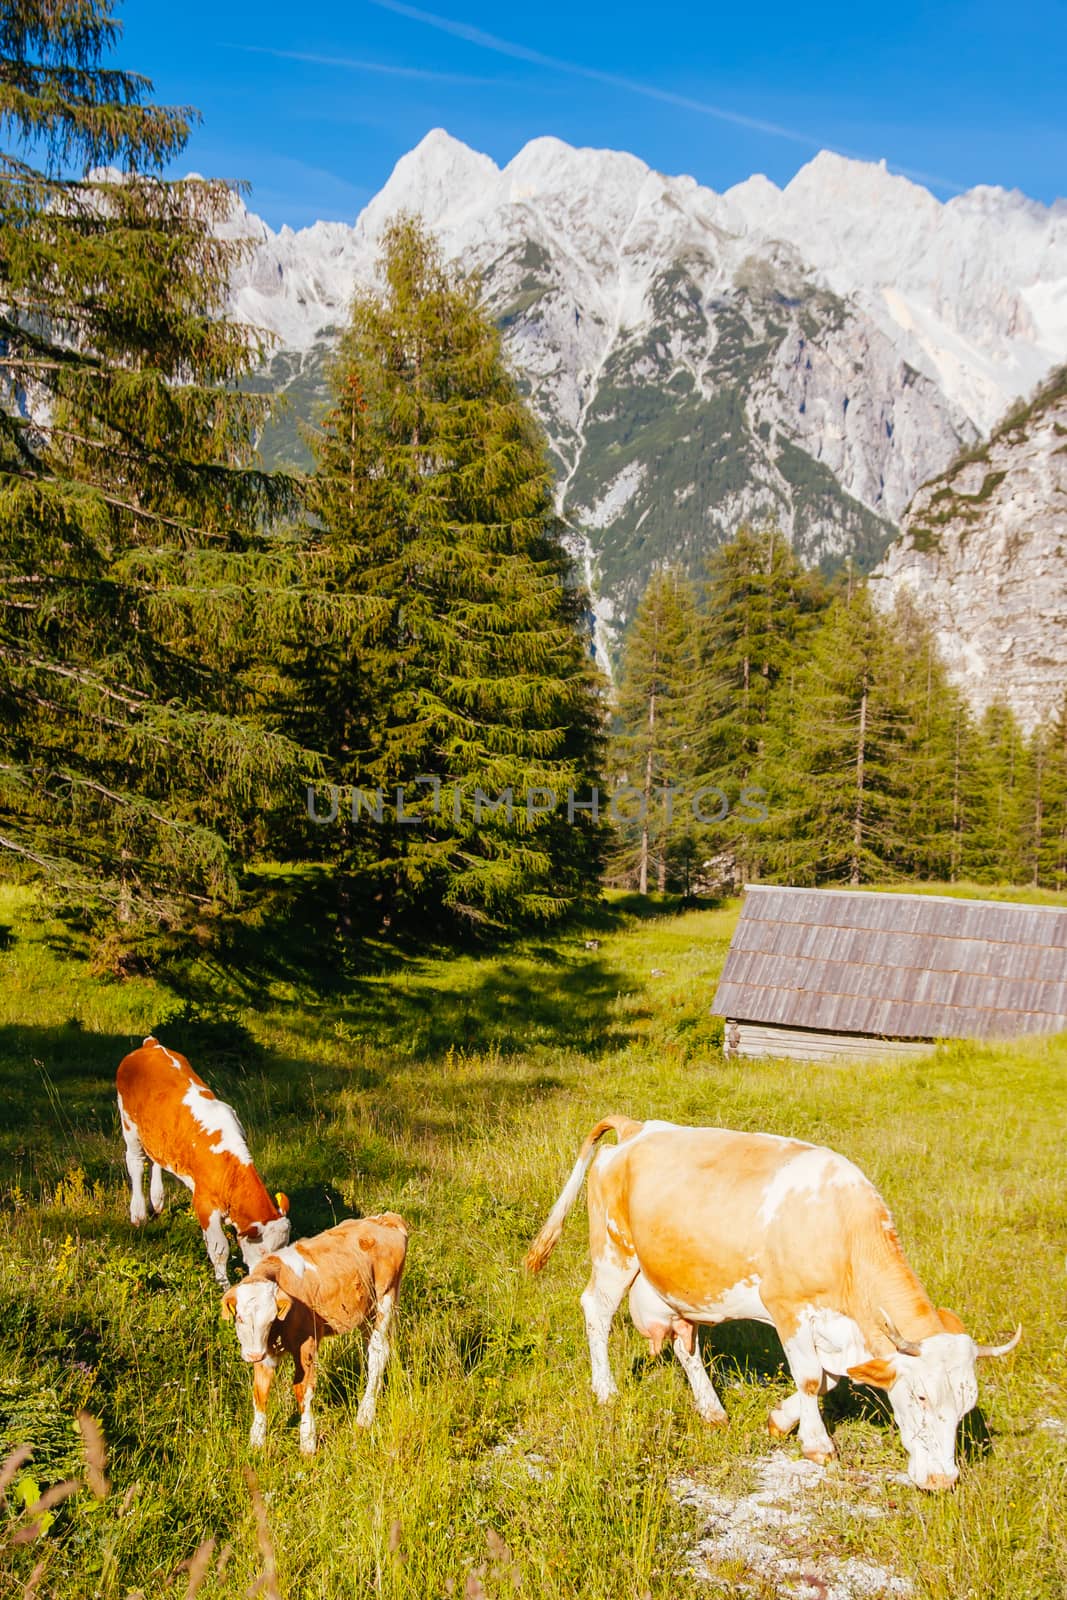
column 345, row 1278
column 171, row 1116
column 704, row 1225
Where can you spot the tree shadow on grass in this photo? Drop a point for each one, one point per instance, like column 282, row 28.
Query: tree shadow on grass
column 614, row 911
column 57, row 1090
column 398, row 994
column 290, row 937
column 506, row 1005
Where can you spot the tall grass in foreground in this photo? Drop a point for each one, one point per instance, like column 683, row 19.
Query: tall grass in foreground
column 457, row 1091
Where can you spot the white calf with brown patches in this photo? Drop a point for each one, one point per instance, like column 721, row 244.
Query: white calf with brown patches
column 704, row 1225
column 345, row 1278
column 169, row 1115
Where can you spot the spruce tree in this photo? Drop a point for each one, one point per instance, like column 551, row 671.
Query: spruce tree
column 833, row 768
column 995, row 849
column 653, row 751
column 136, row 587
column 761, row 608
column 1049, row 807
column 467, row 679
column 967, row 796
column 926, row 773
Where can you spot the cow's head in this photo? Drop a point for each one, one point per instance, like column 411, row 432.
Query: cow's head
column 254, row 1309
column 931, row 1386
column 264, row 1238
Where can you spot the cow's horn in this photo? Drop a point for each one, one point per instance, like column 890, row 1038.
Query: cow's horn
column 1001, row 1349
column 907, row 1347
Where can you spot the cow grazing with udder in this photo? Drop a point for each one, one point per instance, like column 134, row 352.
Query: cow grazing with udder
column 703, row 1225
column 171, row 1116
column 345, row 1278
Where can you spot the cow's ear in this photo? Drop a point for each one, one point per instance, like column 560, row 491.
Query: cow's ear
column 282, row 1202
column 878, row 1373
column 229, row 1305
column 283, row 1305
column 949, row 1321
column 253, row 1234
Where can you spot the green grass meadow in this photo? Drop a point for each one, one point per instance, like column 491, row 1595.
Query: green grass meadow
column 456, row 1091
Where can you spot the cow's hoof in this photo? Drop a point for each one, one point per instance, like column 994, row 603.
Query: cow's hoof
column 714, row 1419
column 775, row 1431
column 821, row 1458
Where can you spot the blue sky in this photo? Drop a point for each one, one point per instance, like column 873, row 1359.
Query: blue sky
column 313, row 105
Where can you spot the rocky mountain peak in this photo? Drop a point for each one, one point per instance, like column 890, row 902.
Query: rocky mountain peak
column 983, row 550
column 809, row 354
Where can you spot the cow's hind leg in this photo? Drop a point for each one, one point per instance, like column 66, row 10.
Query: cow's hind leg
column 654, row 1318
column 135, row 1160
column 155, row 1189
column 601, row 1298
column 377, row 1356
column 687, row 1349
column 808, row 1375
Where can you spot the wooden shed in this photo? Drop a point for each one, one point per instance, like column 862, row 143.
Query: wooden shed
column 817, row 973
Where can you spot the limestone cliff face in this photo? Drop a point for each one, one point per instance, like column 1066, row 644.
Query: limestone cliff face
column 984, row 551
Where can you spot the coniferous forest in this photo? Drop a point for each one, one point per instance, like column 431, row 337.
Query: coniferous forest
column 379, row 676
column 779, row 726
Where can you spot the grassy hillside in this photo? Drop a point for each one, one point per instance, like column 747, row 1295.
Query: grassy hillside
column 457, row 1091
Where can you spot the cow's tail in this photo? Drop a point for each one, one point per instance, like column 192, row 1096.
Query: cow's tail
column 549, row 1236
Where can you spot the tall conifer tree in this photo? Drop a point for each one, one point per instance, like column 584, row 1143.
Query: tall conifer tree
column 1049, row 807
column 833, row 769
column 760, row 612
column 995, row 849
column 930, row 789
column 653, row 752
column 469, row 677
column 131, row 760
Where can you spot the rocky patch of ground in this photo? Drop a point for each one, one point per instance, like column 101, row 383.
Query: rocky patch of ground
column 768, row 1540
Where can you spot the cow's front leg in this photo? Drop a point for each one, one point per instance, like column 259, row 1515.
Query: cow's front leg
column 304, row 1390
column 600, row 1301
column 687, row 1349
column 155, row 1189
column 218, row 1246
column 808, row 1375
column 784, row 1418
column 262, row 1378
column 377, row 1356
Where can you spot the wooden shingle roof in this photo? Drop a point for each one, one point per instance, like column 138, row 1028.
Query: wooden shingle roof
column 901, row 966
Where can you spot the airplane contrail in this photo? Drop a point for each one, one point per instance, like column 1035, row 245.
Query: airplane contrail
column 353, row 65
column 506, row 47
